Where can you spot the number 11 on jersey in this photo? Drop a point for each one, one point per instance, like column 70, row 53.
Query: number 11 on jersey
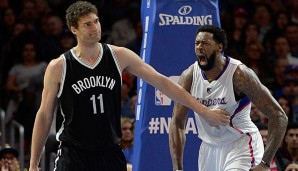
column 94, row 102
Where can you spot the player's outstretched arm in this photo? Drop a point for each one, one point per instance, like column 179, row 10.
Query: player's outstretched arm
column 44, row 116
column 131, row 62
column 247, row 82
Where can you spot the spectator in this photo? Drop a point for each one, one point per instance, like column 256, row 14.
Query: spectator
column 9, row 159
column 291, row 166
column 67, row 41
column 127, row 127
column 252, row 32
column 7, row 25
column 53, row 30
column 254, row 58
column 286, row 106
column 236, row 37
column 294, row 11
column 262, row 17
column 289, row 150
column 280, row 21
column 135, row 44
column 275, row 5
column 291, row 33
column 290, row 88
column 20, row 76
column 278, row 81
column 281, row 49
column 291, row 71
column 29, row 15
column 123, row 30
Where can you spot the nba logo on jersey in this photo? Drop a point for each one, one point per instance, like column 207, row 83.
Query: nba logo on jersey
column 161, row 99
column 208, row 90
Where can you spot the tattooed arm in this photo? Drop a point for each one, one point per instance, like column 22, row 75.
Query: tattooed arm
column 177, row 131
column 246, row 81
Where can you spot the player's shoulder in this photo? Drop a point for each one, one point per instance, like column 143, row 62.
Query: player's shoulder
column 186, row 77
column 56, row 65
column 188, row 71
column 245, row 73
column 57, row 62
column 117, row 49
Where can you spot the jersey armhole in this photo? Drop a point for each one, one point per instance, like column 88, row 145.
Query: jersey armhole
column 116, row 61
column 62, row 77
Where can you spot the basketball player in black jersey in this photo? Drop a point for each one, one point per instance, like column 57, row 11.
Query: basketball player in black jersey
column 87, row 82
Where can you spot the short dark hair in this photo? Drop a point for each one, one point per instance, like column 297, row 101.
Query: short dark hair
column 219, row 35
column 8, row 149
column 77, row 10
column 292, row 125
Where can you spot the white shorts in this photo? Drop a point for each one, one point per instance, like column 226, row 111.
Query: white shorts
column 240, row 155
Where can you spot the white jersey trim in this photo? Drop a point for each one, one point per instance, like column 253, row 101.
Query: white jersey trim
column 116, row 61
column 62, row 126
column 62, row 76
column 91, row 66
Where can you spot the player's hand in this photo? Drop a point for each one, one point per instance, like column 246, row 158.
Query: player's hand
column 216, row 117
column 260, row 167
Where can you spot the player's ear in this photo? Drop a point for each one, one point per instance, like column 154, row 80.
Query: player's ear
column 73, row 30
column 220, row 47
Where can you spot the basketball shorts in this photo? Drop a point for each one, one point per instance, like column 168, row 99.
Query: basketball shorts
column 240, row 155
column 71, row 159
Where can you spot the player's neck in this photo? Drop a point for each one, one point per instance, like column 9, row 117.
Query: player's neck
column 91, row 51
column 213, row 73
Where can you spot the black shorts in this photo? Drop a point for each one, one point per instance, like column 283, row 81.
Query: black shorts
column 71, row 159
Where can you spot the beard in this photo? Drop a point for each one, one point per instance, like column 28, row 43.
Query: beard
column 210, row 62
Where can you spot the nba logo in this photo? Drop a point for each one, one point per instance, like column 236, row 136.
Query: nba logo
column 161, row 99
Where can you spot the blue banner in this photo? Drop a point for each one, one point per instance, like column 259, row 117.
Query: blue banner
column 168, row 45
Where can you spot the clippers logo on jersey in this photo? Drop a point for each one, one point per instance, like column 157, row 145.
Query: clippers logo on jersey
column 209, row 90
column 212, row 102
column 182, row 19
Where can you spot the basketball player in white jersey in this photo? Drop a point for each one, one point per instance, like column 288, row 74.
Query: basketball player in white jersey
column 87, row 82
column 221, row 82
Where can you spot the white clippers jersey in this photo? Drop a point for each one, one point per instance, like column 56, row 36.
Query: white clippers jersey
column 220, row 94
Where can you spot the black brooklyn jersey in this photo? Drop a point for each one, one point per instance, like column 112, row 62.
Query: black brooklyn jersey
column 89, row 98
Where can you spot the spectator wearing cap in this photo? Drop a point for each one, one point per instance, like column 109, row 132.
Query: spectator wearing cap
column 9, row 159
column 290, row 87
column 291, row 71
column 236, row 36
column 279, row 77
column 288, row 90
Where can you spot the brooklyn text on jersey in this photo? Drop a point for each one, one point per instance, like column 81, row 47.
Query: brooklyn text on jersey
column 93, row 81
